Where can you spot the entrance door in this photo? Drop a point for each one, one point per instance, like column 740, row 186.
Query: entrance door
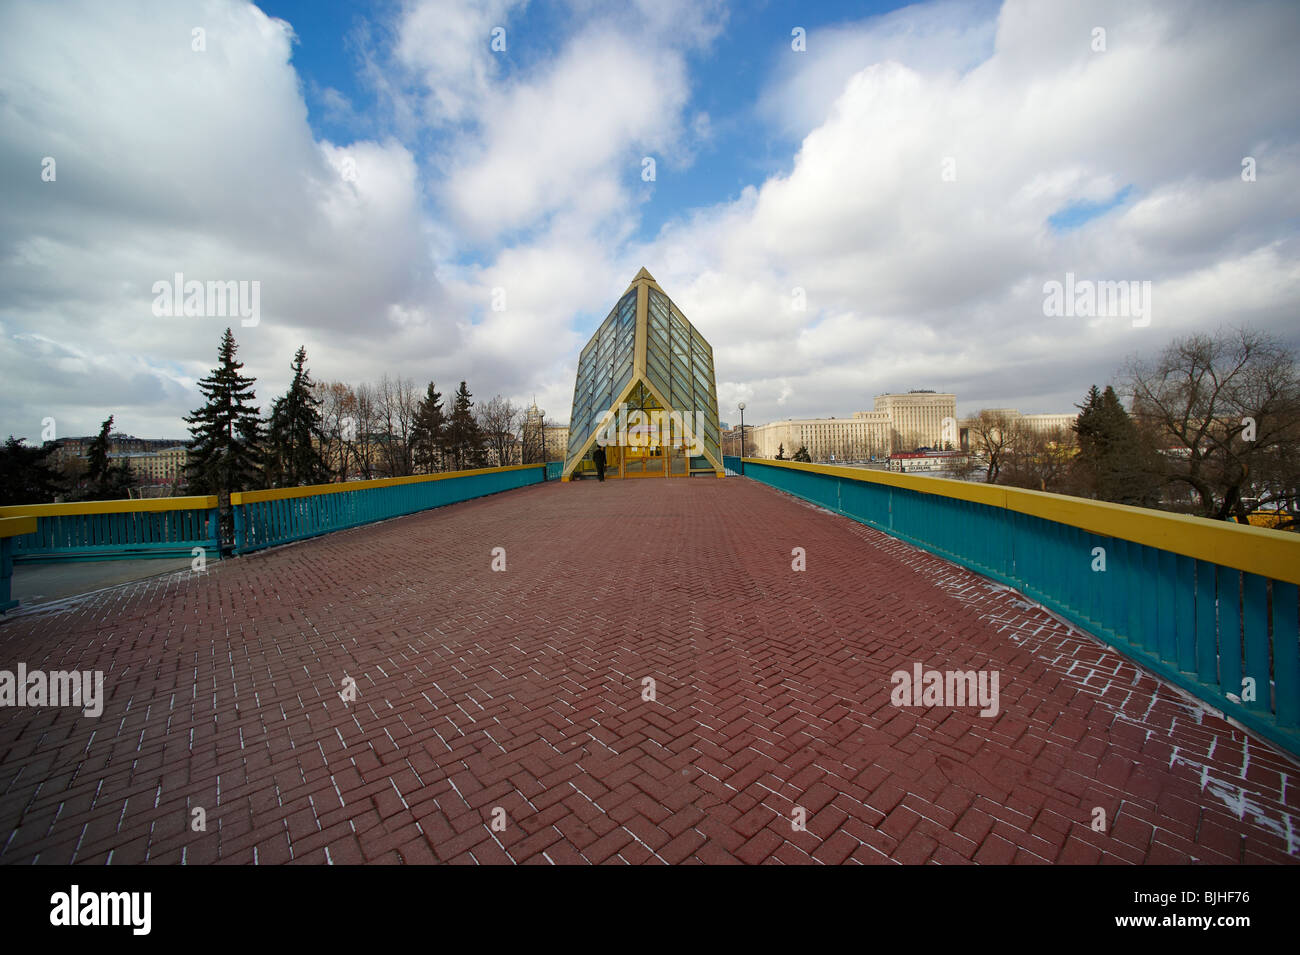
column 677, row 463
column 643, row 462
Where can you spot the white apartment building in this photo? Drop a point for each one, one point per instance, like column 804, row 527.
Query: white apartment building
column 1047, row 423
column 900, row 422
column 916, row 419
column 1037, row 423
column 840, row 439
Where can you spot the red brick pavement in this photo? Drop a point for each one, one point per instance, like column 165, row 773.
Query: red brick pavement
column 518, row 696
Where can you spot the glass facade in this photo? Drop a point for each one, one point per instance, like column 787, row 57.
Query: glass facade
column 676, row 364
column 679, row 363
column 604, row 369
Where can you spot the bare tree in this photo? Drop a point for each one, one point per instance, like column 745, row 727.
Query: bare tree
column 498, row 419
column 397, row 403
column 731, row 443
column 1224, row 411
column 994, row 435
column 339, row 425
column 1038, row 459
column 369, row 440
column 532, row 436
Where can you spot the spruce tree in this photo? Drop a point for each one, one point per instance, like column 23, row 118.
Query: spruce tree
column 802, row 454
column 1110, row 463
column 429, row 432
column 104, row 481
column 25, row 474
column 780, row 453
column 464, row 439
column 226, row 433
column 97, row 453
column 294, row 437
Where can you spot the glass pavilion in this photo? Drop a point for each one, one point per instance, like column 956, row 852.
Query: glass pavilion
column 645, row 391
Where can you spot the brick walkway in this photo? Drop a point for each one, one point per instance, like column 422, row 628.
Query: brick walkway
column 522, row 691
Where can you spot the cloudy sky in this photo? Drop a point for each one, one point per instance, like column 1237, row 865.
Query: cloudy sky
column 846, row 200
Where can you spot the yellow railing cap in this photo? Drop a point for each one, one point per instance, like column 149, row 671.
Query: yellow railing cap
column 1258, row 550
column 17, row 526
column 73, row 508
column 313, row 490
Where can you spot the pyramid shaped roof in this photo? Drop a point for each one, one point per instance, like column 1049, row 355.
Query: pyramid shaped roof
column 645, row 346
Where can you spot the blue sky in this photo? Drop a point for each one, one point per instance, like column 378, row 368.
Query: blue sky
column 728, row 80
column 881, row 211
column 1080, row 212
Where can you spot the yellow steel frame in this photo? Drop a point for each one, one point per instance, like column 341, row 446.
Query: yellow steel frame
column 642, row 282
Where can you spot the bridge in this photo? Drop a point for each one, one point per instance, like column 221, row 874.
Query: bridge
column 494, row 667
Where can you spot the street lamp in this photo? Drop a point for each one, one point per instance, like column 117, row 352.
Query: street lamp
column 742, row 437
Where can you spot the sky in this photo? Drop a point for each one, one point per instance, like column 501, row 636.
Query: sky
column 845, row 199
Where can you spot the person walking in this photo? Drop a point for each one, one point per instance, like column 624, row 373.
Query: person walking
column 598, row 457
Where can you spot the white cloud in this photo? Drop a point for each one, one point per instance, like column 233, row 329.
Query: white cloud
column 198, row 162
column 917, row 282
column 448, row 45
column 523, row 173
column 573, row 139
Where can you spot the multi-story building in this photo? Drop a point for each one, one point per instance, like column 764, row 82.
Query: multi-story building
column 118, row 444
column 900, row 422
column 557, row 440
column 1048, row 423
column 916, row 419
column 166, row 466
column 1040, row 424
column 555, row 437
column 859, row 438
column 731, row 441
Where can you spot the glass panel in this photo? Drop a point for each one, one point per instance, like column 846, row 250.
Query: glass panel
column 604, row 366
column 657, row 380
column 658, row 301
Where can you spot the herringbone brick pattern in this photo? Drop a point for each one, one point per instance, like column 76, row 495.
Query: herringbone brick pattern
column 517, row 696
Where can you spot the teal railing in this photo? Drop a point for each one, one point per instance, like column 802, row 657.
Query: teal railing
column 266, row 518
column 1210, row 606
column 10, row 528
column 116, row 530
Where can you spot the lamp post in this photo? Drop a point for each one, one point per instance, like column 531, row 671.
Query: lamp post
column 742, row 437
